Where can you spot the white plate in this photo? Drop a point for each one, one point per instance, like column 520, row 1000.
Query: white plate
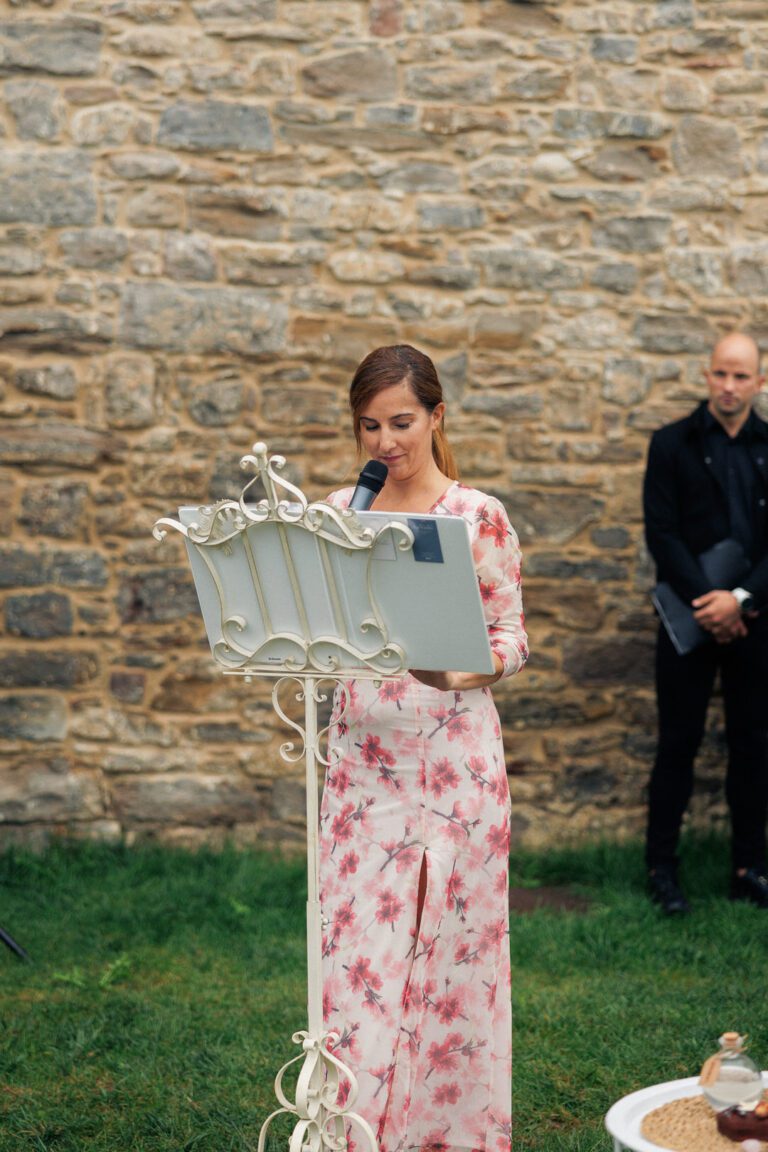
column 623, row 1120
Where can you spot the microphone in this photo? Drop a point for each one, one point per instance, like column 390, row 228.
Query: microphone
column 369, row 483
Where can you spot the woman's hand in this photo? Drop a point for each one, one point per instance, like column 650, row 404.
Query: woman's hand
column 459, row 681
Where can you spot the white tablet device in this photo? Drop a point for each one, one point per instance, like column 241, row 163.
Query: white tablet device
column 277, row 596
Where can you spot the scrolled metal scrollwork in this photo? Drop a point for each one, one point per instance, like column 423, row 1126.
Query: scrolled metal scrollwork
column 289, row 751
column 218, row 523
column 225, row 519
column 321, row 1115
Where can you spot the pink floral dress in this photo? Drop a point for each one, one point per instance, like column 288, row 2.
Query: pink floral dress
column 424, row 1018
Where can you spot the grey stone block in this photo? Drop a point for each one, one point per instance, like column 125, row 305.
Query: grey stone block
column 527, row 268
column 367, row 74
column 189, row 258
column 271, row 265
column 447, row 216
column 673, row 14
column 464, row 84
column 76, row 568
column 145, row 165
column 187, row 798
column 536, row 84
column 619, row 278
column 683, row 92
column 108, row 125
column 156, row 208
column 217, row 403
column 34, row 717
column 54, row 329
column 20, row 567
column 632, row 233
column 749, row 269
column 53, row 443
column 60, row 47
column 53, row 188
column 457, row 276
column 35, row 108
column 156, row 596
column 56, row 508
column 703, row 145
column 421, row 176
column 248, row 213
column 201, row 319
column 628, row 660
column 702, row 270
column 129, row 390
column 626, row 382
column 592, row 123
column 19, row 260
column 215, row 126
column 553, row 565
column 508, row 330
column 46, row 669
column 604, row 199
column 55, row 380
column 673, row 333
column 504, row 403
column 543, row 711
column 221, row 11
column 615, row 49
column 127, row 687
column 611, row 539
column 619, row 163
column 40, row 616
column 549, row 517
column 102, row 248
column 298, row 407
column 226, row 732
column 48, row 791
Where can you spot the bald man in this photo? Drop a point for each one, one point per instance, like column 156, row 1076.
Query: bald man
column 706, row 481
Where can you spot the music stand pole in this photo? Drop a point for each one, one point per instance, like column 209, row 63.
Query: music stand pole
column 321, row 1116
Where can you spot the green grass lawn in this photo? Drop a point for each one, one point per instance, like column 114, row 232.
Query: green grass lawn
column 165, row 986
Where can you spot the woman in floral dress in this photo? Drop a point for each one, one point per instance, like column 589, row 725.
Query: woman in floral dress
column 415, row 824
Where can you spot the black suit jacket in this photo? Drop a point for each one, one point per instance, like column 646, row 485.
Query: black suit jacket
column 686, row 509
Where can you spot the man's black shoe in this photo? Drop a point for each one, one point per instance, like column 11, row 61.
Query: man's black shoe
column 665, row 891
column 752, row 887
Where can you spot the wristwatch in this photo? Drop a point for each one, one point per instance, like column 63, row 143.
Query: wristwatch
column 744, row 599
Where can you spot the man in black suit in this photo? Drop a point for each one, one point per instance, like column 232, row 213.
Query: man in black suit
column 707, row 481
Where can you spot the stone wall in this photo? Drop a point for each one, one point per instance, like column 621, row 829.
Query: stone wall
column 209, row 211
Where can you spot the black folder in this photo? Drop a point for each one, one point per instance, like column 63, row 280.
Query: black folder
column 724, row 565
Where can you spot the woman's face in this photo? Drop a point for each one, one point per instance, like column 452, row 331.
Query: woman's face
column 396, row 429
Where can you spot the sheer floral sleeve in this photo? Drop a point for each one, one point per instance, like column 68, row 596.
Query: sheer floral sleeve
column 497, row 557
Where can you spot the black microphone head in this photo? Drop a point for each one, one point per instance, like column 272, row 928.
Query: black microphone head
column 373, row 475
column 369, row 483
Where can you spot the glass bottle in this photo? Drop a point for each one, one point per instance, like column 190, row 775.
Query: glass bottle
column 730, row 1076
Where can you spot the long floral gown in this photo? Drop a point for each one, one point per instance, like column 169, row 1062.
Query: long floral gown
column 425, row 1023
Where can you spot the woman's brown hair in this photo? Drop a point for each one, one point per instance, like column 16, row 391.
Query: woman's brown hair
column 395, row 364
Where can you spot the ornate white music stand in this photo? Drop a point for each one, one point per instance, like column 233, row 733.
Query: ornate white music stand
column 234, row 592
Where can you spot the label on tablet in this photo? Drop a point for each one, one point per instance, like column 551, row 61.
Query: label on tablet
column 426, row 541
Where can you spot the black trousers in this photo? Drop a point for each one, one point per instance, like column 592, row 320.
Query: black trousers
column 684, row 686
